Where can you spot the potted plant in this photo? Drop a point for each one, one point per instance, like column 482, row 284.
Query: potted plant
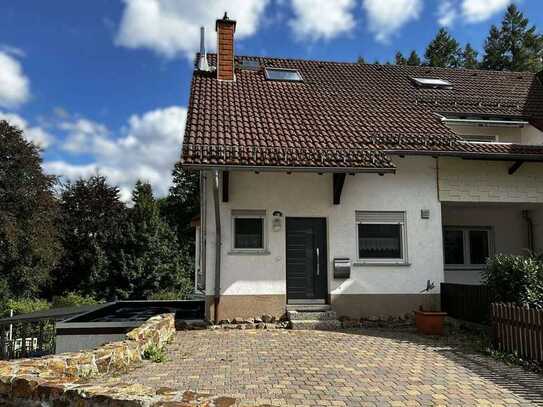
column 429, row 322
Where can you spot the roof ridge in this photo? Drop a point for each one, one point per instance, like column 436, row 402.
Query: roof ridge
column 389, row 65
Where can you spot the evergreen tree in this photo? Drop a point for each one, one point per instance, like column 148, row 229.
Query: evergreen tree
column 151, row 259
column 400, row 59
column 414, row 59
column 361, row 60
column 182, row 204
column 92, row 221
column 29, row 244
column 443, row 51
column 523, row 46
column 469, row 57
column 515, row 46
column 494, row 57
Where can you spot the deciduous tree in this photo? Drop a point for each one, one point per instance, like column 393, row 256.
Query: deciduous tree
column 92, row 221
column 29, row 243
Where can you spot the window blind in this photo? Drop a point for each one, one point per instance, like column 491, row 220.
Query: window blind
column 380, row 216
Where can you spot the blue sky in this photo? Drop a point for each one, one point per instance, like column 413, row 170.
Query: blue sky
column 103, row 85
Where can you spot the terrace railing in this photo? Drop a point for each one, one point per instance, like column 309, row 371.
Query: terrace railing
column 28, row 338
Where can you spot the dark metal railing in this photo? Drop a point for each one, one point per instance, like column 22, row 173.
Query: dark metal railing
column 22, row 339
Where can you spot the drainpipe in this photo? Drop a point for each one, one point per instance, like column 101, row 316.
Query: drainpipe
column 203, row 231
column 218, row 244
column 530, row 223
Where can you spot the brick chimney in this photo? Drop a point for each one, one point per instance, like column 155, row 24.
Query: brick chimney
column 225, row 48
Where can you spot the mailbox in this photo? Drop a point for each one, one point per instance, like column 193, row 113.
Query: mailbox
column 342, row 268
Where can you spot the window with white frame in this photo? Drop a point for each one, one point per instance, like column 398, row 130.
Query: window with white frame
column 248, row 230
column 466, row 246
column 381, row 237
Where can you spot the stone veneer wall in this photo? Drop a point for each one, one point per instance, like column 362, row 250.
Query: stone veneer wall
column 63, row 380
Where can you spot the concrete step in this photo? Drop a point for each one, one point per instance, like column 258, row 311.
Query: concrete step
column 311, row 315
column 309, row 307
column 329, row 325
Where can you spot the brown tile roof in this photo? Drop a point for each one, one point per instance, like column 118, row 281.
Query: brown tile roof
column 346, row 115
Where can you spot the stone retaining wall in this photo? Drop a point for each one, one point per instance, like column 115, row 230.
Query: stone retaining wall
column 65, row 379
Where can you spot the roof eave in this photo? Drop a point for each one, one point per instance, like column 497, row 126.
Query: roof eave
column 364, row 170
column 470, row 156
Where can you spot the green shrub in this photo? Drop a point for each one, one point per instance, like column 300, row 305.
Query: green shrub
column 163, row 295
column 24, row 306
column 183, row 292
column 515, row 279
column 72, row 299
column 154, row 354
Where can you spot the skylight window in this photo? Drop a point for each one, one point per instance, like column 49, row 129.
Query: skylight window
column 433, row 83
column 250, row 65
column 280, row 74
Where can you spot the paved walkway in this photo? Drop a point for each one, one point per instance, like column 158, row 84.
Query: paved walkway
column 355, row 368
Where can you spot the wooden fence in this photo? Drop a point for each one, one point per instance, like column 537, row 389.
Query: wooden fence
column 466, row 302
column 518, row 330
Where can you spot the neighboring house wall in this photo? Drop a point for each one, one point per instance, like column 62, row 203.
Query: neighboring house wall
column 488, row 181
column 254, row 284
column 520, row 135
column 508, row 232
column 503, row 134
column 537, row 219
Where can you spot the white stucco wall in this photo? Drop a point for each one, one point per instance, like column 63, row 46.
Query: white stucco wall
column 411, row 189
column 509, row 232
column 531, row 135
column 488, row 181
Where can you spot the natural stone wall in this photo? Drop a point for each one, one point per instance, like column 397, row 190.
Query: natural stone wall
column 65, row 379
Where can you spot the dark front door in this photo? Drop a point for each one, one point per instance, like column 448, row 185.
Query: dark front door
column 306, row 259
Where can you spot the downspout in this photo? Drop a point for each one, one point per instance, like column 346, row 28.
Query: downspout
column 203, row 231
column 530, row 223
column 218, row 244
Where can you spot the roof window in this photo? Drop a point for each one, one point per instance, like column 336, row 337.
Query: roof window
column 432, row 83
column 281, row 74
column 249, row 65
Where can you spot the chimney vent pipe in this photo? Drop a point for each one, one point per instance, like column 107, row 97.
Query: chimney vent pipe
column 202, row 60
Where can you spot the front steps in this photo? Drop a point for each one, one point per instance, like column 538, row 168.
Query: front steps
column 319, row 317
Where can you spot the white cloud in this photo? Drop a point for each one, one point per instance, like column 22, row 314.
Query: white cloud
column 172, row 27
column 322, row 19
column 8, row 49
column 36, row 134
column 446, row 13
column 14, row 85
column 82, row 134
column 146, row 148
column 476, row 11
column 385, row 18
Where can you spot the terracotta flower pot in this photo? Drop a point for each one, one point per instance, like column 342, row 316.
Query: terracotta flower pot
column 430, row 322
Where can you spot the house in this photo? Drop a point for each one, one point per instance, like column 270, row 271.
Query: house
column 360, row 186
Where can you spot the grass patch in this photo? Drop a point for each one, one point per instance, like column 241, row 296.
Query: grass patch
column 155, row 354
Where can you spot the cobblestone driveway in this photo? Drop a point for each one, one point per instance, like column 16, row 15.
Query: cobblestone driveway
column 312, row 368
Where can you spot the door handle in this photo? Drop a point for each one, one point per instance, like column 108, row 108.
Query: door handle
column 318, row 263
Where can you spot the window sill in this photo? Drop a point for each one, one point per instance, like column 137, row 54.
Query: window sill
column 248, row 253
column 381, row 263
column 466, row 268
